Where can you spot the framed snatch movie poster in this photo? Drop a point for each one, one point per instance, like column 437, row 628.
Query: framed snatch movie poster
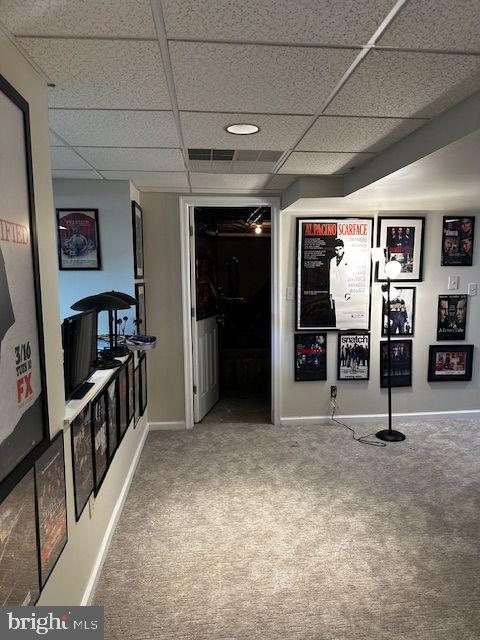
column 402, row 239
column 137, row 223
column 353, row 355
column 78, row 239
column 24, row 421
column 333, row 273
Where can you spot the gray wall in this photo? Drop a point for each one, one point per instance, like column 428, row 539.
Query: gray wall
column 112, row 199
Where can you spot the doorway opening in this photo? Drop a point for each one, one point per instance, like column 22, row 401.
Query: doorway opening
column 231, row 315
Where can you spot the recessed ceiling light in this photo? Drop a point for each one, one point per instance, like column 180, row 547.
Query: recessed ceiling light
column 242, row 129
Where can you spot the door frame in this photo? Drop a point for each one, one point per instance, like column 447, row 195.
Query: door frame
column 186, row 204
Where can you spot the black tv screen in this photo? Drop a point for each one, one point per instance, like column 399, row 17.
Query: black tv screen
column 79, row 349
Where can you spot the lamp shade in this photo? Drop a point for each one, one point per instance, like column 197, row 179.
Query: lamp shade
column 122, row 296
column 393, row 268
column 100, row 302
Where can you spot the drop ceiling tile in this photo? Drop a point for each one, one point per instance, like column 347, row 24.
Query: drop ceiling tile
column 330, row 133
column 407, row 84
column 436, row 24
column 252, row 78
column 55, row 140
column 118, row 159
column 159, row 179
column 302, row 21
column 86, row 18
column 65, row 158
column 312, row 163
column 92, row 128
column 59, row 174
column 228, row 181
column 207, row 130
column 99, row 74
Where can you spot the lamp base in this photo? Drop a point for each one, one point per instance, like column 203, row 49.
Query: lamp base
column 390, row 436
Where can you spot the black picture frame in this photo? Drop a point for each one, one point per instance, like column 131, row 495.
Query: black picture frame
column 99, row 439
column 310, row 357
column 82, row 459
column 140, row 309
column 137, row 228
column 397, row 247
column 131, row 388
column 322, row 302
column 138, row 397
column 452, row 316
column 68, row 221
column 122, row 402
column 19, row 561
column 353, row 366
column 143, row 384
column 51, row 498
column 401, row 351
column 438, row 354
column 112, row 417
column 402, row 315
column 458, row 240
column 29, row 436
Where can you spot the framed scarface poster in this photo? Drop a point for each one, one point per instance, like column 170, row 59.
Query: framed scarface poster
column 333, row 273
column 24, row 421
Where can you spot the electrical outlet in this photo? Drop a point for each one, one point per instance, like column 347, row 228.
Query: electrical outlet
column 453, row 283
column 333, row 391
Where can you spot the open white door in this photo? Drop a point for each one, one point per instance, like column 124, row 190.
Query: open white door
column 204, row 343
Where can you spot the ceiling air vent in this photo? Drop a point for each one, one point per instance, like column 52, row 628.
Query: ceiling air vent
column 222, row 155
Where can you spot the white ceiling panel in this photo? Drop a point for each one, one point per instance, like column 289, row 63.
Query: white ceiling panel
column 76, row 175
column 132, row 18
column 302, row 21
column 436, row 24
column 159, row 179
column 115, row 74
column 92, row 128
column 65, row 158
column 311, row 163
column 118, row 159
column 55, row 140
column 407, row 84
column 252, row 78
column 228, row 181
column 207, row 130
column 330, row 133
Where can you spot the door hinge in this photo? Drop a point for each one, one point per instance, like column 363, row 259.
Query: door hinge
column 192, row 310
column 192, row 231
column 195, row 389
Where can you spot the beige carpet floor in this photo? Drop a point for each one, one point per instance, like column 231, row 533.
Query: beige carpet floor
column 237, row 531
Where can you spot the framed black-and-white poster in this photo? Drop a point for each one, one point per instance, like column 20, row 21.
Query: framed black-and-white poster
column 122, row 402
column 19, row 569
column 82, row 458
column 402, row 239
column 457, row 241
column 24, row 421
column 138, row 397
column 99, row 439
column 78, row 239
column 401, row 363
column 137, row 223
column 310, row 356
column 143, row 384
column 452, row 316
column 51, row 506
column 112, row 416
column 333, row 273
column 450, row 362
column 141, row 312
column 402, row 311
column 353, row 356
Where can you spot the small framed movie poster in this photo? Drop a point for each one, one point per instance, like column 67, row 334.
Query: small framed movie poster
column 452, row 317
column 402, row 239
column 19, row 568
column 402, row 311
column 51, row 506
column 141, row 312
column 82, row 457
column 310, row 357
column 138, row 398
column 401, row 363
column 450, row 362
column 137, row 224
column 353, row 356
column 457, row 241
column 99, row 439
column 122, row 401
column 143, row 384
column 112, row 417
column 78, row 239
column 131, row 389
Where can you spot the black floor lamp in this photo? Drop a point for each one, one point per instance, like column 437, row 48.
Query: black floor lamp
column 392, row 271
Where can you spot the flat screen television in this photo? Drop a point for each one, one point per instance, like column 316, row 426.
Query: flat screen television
column 79, row 335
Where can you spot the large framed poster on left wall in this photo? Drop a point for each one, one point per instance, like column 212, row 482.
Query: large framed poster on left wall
column 24, row 422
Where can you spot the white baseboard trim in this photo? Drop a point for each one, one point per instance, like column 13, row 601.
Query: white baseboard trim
column 117, row 510
column 425, row 416
column 167, row 426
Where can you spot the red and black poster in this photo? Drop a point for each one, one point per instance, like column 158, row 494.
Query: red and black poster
column 333, row 273
column 310, row 357
column 78, row 239
column 81, row 430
